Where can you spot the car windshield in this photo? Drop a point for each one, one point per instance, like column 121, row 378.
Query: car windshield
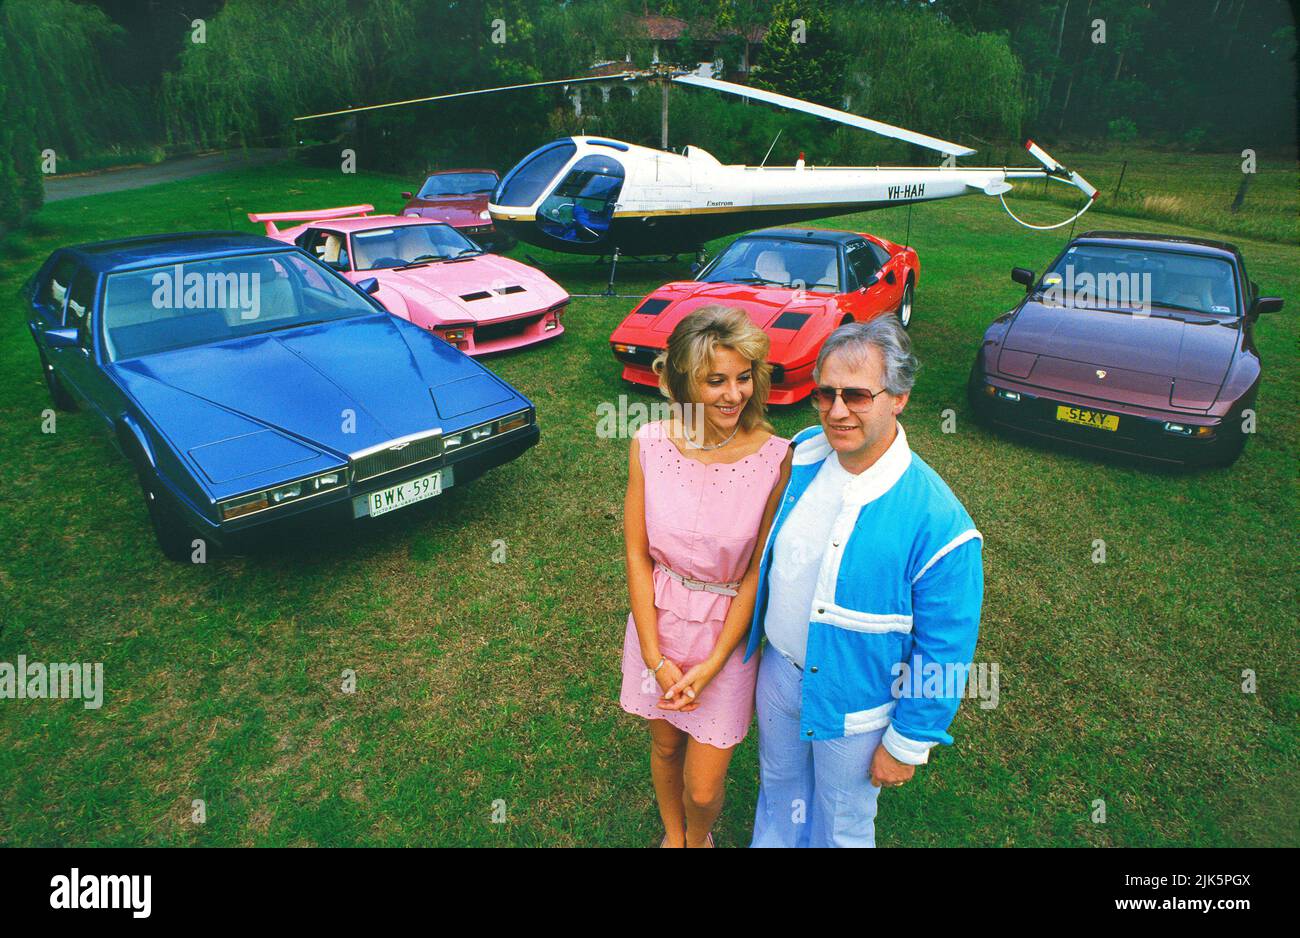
column 458, row 184
column 777, row 262
column 160, row 309
column 400, row 246
column 1105, row 276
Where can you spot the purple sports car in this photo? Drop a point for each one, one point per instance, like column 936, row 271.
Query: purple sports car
column 1130, row 343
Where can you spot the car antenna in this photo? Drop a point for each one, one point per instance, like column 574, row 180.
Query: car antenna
column 769, row 149
column 907, row 239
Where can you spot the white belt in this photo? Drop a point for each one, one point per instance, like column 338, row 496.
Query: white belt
column 724, row 589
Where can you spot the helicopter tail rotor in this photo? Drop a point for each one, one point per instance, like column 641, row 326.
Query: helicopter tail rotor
column 1055, row 170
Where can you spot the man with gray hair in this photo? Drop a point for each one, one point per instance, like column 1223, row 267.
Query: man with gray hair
column 872, row 570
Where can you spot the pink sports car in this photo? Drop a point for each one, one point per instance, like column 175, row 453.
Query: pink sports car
column 431, row 275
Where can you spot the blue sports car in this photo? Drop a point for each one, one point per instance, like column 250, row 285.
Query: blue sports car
column 247, row 383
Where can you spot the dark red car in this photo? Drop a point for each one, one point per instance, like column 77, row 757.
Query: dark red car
column 459, row 197
column 1129, row 343
column 797, row 284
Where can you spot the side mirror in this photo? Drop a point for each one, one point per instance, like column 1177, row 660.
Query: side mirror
column 406, row 195
column 1263, row 304
column 1023, row 275
column 61, row 338
column 696, row 268
column 369, row 285
column 890, row 278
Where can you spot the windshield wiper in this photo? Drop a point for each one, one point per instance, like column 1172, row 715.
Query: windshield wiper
column 288, row 325
column 775, row 283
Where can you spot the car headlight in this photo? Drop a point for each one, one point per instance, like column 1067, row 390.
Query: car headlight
column 254, row 502
column 485, row 214
column 481, row 432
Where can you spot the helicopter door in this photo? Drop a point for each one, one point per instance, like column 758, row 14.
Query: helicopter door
column 581, row 207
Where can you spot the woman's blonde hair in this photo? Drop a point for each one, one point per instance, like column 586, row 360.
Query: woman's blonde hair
column 689, row 356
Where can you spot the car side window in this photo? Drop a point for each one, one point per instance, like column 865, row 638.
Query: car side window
column 81, row 296
column 54, row 290
column 330, row 247
column 882, row 256
column 862, row 263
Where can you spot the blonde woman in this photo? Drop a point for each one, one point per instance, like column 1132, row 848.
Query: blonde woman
column 702, row 489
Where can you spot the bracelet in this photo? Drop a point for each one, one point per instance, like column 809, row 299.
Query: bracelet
column 662, row 662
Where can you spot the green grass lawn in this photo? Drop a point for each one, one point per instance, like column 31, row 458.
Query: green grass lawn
column 482, row 682
column 1195, row 190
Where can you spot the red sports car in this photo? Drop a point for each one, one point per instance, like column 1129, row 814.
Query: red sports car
column 797, row 284
column 1140, row 344
column 459, row 197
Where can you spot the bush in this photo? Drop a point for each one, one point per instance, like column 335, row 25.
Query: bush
column 1121, row 130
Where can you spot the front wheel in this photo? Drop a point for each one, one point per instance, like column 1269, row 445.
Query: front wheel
column 904, row 311
column 175, row 539
column 58, row 393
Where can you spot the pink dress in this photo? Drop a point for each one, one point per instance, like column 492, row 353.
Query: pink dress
column 702, row 522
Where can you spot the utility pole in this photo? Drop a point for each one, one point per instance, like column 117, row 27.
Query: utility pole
column 663, row 118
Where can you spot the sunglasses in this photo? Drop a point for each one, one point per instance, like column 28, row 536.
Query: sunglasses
column 855, row 399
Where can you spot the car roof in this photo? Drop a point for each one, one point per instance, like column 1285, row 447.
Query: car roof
column 173, row 248
column 808, row 234
column 443, row 172
column 1160, row 242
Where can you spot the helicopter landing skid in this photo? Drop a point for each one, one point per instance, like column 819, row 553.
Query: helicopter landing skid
column 639, row 259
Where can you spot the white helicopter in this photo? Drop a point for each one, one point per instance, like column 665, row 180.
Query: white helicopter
column 597, row 196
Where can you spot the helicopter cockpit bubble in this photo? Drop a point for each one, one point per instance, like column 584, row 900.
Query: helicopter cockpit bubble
column 581, row 207
column 525, row 184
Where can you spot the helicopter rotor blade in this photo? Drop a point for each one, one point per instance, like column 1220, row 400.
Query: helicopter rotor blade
column 829, row 113
column 464, row 94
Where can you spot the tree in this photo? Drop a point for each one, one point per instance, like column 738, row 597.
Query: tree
column 800, row 56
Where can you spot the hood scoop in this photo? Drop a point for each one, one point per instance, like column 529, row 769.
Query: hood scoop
column 495, row 291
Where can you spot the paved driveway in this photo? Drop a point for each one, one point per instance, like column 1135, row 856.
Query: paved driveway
column 135, row 177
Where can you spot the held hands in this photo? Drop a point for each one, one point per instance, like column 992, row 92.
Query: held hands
column 888, row 771
column 684, row 693
column 667, row 675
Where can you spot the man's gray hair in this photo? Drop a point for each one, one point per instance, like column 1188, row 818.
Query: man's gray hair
column 852, row 340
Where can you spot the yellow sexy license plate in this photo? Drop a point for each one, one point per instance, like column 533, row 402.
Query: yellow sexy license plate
column 1087, row 418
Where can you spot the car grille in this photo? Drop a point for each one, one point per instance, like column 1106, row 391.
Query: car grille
column 491, row 331
column 394, row 455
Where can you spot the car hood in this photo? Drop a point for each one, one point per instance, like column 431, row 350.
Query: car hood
column 1158, row 343
column 338, row 387
column 476, row 289
column 1151, row 360
column 762, row 304
column 459, row 211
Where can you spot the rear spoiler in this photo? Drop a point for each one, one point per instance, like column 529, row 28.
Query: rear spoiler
column 270, row 218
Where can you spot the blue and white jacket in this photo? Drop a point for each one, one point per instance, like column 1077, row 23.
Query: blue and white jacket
column 901, row 580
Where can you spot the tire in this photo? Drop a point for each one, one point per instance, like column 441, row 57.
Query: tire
column 174, row 536
column 904, row 311
column 58, row 393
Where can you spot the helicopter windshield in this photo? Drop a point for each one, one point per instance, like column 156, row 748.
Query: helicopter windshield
column 525, row 183
column 581, row 207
